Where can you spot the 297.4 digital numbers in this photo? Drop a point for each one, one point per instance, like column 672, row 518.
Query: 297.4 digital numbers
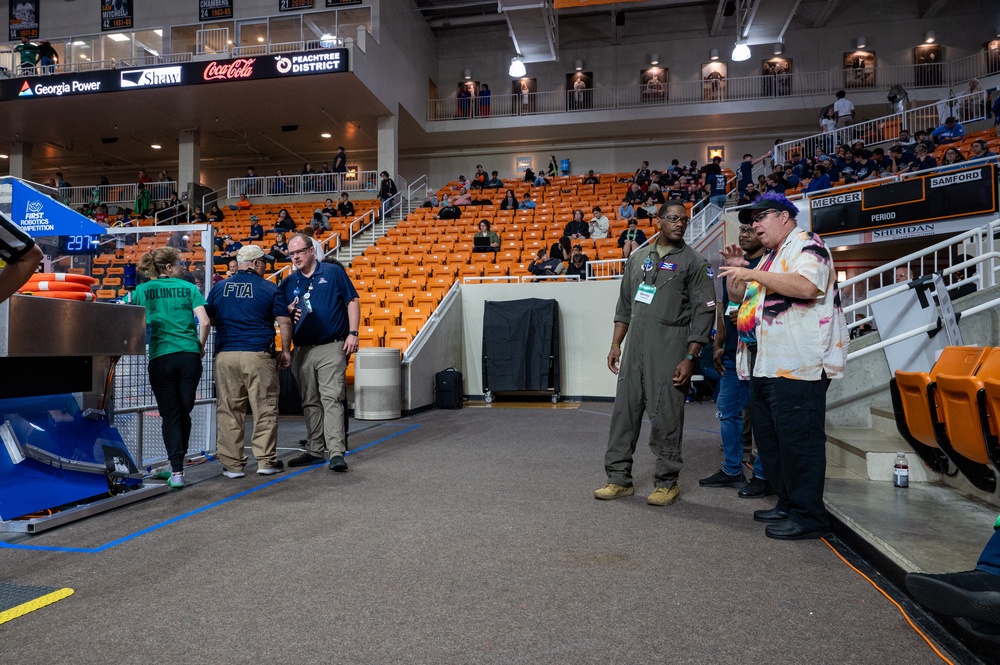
column 82, row 244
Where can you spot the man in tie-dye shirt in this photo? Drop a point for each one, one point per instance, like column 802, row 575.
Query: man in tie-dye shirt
column 791, row 305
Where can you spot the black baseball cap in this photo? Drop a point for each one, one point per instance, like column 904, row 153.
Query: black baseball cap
column 746, row 214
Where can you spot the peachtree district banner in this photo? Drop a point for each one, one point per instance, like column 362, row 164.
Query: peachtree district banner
column 937, row 196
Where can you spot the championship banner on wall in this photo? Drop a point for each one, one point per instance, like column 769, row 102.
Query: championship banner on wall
column 116, row 15
column 23, row 17
column 213, row 10
column 285, row 65
column 912, row 202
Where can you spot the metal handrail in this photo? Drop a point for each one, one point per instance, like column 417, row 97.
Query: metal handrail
column 432, row 321
column 310, row 183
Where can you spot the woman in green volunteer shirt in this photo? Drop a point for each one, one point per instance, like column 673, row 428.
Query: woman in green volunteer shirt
column 176, row 345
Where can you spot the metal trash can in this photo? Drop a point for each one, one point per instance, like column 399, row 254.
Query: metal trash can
column 377, row 393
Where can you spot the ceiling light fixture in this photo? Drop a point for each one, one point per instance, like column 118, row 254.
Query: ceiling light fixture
column 260, row 40
column 579, row 65
column 713, row 54
column 929, row 37
column 326, row 135
column 155, row 146
column 467, row 74
column 4, row 155
column 862, row 42
column 118, row 37
column 517, row 69
column 778, row 48
column 654, row 59
column 741, row 51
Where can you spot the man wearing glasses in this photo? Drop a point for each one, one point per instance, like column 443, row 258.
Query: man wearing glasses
column 243, row 309
column 326, row 315
column 791, row 304
column 667, row 304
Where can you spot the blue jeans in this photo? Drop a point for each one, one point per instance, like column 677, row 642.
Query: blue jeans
column 989, row 560
column 719, row 200
column 734, row 395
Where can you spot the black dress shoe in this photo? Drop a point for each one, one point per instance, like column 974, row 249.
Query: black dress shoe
column 757, row 488
column 789, row 530
column 338, row 464
column 722, row 479
column 974, row 594
column 772, row 515
column 305, row 459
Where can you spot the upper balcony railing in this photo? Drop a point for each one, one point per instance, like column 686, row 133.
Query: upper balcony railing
column 312, row 183
column 745, row 88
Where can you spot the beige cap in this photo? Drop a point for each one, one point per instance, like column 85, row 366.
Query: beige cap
column 248, row 253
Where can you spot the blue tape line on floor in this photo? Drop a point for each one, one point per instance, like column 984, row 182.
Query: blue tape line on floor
column 173, row 520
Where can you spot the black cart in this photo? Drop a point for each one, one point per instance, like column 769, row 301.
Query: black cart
column 521, row 347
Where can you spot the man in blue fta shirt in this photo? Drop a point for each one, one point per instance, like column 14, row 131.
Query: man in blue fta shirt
column 243, row 309
column 326, row 314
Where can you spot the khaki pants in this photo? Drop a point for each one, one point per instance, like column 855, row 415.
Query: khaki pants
column 243, row 377
column 320, row 371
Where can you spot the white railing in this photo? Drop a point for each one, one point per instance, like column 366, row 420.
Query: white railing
column 701, row 222
column 212, row 40
column 316, row 183
column 605, row 269
column 965, row 108
column 520, row 279
column 416, row 191
column 357, row 227
column 120, row 195
column 432, row 321
column 727, row 90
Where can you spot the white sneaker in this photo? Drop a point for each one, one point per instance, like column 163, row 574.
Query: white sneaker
column 176, row 480
column 278, row 467
column 233, row 474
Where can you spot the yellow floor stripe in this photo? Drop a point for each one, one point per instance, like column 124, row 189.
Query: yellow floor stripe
column 36, row 604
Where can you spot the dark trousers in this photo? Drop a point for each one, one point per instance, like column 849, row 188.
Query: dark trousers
column 174, row 379
column 790, row 431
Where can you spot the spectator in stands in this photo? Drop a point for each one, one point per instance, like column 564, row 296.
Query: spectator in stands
column 215, row 214
column 318, row 221
column 950, row 132
column 143, row 177
column 626, row 211
column 819, row 181
column 179, row 241
column 339, row 161
column 317, row 246
column 509, row 201
column 577, row 263
column 749, row 195
column 641, row 176
column 484, row 101
column 715, row 187
column 199, row 216
column 308, row 181
column 774, row 184
column 905, row 140
column 143, row 201
column 761, row 183
column 577, row 228
column 229, row 248
column 526, row 202
column 386, row 190
column 996, row 116
column 172, row 209
column 744, row 172
column 256, row 230
column 843, row 110
column 328, row 210
column 480, row 178
column 980, row 150
column 345, row 207
column 462, row 183
column 792, row 329
column 553, row 169
column 882, row 161
column 831, row 170
column 864, row 168
column 631, row 238
column 431, row 200
column 279, row 250
column 635, row 195
column 647, row 210
column 242, row 204
column 790, row 177
column 494, row 182
column 599, row 224
column 543, row 265
column 232, row 267
column 529, row 175
column 655, row 192
column 590, row 178
column 282, row 184
column 952, row 157
column 485, row 231
column 561, row 249
column 922, row 136
column 284, row 222
column 923, row 160
column 463, row 198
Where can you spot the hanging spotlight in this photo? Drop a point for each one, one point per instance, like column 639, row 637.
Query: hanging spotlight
column 713, row 54
column 579, row 65
column 654, row 59
column 862, row 42
column 467, row 74
column 741, row 52
column 517, row 69
column 778, row 48
column 929, row 37
column 155, row 146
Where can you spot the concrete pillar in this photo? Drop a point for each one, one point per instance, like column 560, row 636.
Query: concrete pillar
column 388, row 145
column 20, row 159
column 188, row 159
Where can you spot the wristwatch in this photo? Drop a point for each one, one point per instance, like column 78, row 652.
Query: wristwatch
column 352, row 332
column 688, row 356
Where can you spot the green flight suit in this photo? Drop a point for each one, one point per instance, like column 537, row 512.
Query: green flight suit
column 681, row 311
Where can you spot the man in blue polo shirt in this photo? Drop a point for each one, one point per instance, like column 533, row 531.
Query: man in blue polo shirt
column 326, row 314
column 243, row 309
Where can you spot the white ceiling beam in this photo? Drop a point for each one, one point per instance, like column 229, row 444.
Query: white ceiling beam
column 827, row 12
column 720, row 18
column 934, row 9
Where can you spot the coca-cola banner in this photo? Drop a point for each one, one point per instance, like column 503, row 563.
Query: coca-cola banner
column 328, row 61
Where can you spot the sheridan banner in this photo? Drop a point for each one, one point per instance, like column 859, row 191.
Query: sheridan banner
column 914, row 202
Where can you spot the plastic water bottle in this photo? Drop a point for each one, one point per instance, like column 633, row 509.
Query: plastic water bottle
column 901, row 471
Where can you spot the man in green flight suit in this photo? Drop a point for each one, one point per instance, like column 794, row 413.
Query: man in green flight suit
column 667, row 302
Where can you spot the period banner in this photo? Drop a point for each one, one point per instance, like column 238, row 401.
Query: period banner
column 214, row 10
column 116, row 15
column 23, row 19
column 922, row 200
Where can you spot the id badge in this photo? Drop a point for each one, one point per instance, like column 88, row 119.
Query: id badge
column 645, row 293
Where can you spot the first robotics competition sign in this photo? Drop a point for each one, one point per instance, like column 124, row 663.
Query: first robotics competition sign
column 913, row 203
column 40, row 215
column 285, row 65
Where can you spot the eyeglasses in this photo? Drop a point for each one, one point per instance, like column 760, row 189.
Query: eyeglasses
column 673, row 219
column 299, row 252
column 746, row 229
column 761, row 215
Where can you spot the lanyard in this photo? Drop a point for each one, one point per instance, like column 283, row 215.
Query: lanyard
column 655, row 268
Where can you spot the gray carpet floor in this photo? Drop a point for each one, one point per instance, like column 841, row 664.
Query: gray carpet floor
column 470, row 538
